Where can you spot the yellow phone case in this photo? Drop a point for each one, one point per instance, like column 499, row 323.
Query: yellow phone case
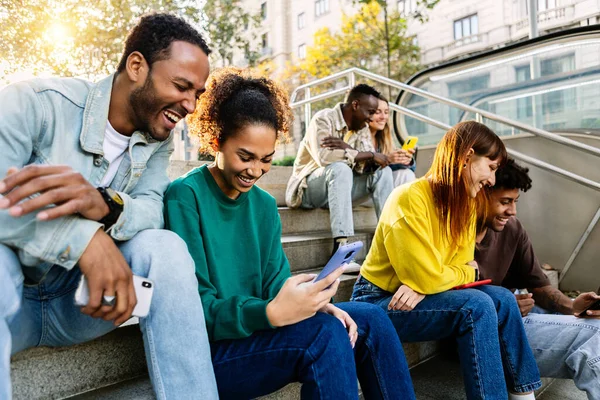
column 410, row 143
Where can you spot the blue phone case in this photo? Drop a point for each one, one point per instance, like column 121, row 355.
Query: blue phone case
column 342, row 255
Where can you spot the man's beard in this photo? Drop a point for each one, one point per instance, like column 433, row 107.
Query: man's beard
column 145, row 104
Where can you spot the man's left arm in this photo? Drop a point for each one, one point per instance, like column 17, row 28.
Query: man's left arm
column 143, row 206
column 552, row 299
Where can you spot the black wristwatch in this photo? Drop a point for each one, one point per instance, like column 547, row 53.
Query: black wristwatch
column 115, row 206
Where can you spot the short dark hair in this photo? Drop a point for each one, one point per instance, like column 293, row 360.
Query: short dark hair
column 153, row 35
column 360, row 90
column 512, row 176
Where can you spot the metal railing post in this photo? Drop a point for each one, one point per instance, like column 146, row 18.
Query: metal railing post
column 307, row 109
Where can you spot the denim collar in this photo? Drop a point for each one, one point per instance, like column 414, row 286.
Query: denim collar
column 95, row 117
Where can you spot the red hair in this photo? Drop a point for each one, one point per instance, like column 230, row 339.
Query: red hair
column 447, row 178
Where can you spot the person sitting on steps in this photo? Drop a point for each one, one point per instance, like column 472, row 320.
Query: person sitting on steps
column 322, row 175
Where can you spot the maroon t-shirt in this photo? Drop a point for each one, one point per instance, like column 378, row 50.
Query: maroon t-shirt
column 507, row 258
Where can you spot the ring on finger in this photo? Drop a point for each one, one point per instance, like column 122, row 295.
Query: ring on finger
column 109, row 300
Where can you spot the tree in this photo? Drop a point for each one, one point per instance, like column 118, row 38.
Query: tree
column 230, row 30
column 363, row 41
column 73, row 38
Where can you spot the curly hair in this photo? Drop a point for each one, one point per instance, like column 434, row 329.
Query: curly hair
column 512, row 176
column 234, row 99
column 153, row 35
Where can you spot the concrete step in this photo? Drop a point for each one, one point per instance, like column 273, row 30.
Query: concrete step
column 273, row 182
column 313, row 249
column 439, row 378
column 301, row 220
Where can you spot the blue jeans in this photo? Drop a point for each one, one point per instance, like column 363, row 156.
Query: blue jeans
column 175, row 339
column 568, row 347
column 317, row 353
column 337, row 187
column 486, row 323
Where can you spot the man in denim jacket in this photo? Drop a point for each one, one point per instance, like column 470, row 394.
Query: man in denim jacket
column 84, row 168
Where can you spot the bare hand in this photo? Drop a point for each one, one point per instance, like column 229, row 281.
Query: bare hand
column 300, row 298
column 401, row 156
column 56, row 185
column 381, row 159
column 525, row 302
column 583, row 301
column 335, row 143
column 345, row 319
column 405, row 299
column 107, row 274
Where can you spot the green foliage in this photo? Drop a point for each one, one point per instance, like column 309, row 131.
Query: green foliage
column 286, row 161
column 71, row 37
column 364, row 40
column 229, row 30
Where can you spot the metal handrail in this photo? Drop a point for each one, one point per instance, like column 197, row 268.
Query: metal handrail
column 478, row 112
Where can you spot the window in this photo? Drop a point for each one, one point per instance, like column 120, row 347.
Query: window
column 263, row 11
column 264, row 40
column 321, row 7
column 301, row 22
column 544, row 5
column 524, row 105
column 407, row 7
column 466, row 27
column 302, row 51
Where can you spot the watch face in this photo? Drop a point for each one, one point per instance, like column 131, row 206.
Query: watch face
column 114, row 196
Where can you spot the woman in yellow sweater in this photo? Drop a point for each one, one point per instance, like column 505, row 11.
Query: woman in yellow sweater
column 424, row 245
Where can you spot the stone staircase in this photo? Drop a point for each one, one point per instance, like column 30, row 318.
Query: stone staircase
column 114, row 366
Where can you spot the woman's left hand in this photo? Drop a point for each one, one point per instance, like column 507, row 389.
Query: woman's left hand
column 405, row 299
column 345, row 319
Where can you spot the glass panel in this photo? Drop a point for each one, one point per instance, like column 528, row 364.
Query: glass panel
column 466, row 27
column 457, row 30
column 542, row 5
column 551, row 4
column 474, row 25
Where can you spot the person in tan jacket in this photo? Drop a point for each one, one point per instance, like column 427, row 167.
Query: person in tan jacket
column 323, row 176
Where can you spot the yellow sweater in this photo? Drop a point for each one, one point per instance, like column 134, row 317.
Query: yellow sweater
column 408, row 247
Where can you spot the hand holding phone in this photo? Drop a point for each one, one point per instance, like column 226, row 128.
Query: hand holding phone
column 144, row 288
column 343, row 255
column 589, row 301
column 473, row 284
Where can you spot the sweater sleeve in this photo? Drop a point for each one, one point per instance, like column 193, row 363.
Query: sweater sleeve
column 231, row 318
column 418, row 263
column 277, row 269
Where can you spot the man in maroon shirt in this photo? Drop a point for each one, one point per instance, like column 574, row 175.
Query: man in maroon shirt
column 565, row 343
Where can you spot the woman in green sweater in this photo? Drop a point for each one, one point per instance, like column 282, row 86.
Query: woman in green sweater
column 266, row 328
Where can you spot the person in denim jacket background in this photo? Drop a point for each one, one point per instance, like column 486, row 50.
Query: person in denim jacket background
column 84, row 169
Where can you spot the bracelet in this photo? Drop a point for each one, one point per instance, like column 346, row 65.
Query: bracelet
column 372, row 155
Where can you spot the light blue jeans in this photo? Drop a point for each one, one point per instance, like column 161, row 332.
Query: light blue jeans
column 337, row 187
column 175, row 339
column 565, row 346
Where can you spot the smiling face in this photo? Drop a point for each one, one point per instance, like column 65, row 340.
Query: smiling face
column 363, row 110
column 480, row 172
column 170, row 90
column 244, row 158
column 502, row 206
column 381, row 116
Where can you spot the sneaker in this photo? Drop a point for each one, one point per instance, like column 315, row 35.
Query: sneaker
column 352, row 268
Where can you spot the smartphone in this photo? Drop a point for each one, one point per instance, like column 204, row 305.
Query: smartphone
column 410, row 143
column 144, row 288
column 473, row 284
column 594, row 306
column 343, row 254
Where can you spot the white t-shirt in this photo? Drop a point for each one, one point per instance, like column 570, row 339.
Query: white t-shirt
column 115, row 145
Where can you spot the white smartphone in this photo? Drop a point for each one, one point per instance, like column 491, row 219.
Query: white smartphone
column 144, row 288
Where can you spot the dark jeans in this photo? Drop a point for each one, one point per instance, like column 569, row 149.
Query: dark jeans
column 486, row 322
column 317, row 353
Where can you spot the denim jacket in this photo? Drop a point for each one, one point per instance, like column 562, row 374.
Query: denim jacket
column 62, row 121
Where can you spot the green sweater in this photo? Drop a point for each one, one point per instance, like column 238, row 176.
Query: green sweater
column 236, row 245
